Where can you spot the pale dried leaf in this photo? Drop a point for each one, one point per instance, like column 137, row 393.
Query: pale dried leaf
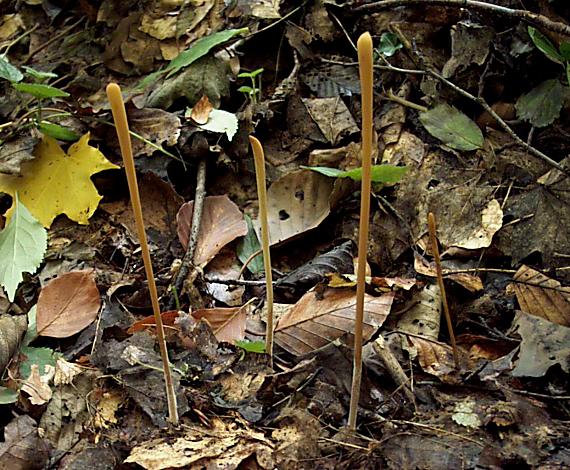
column 37, row 384
column 228, row 324
column 297, row 202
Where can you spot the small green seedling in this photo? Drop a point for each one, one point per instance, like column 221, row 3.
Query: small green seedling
column 256, row 347
column 253, row 92
column 560, row 55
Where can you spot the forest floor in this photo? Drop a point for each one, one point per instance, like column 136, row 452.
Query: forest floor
column 470, row 122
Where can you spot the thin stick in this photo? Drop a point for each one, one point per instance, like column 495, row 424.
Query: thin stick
column 366, row 78
column 435, row 251
column 121, row 124
column 262, row 196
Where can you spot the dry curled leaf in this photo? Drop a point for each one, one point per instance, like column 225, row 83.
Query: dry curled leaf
column 222, row 222
column 201, row 110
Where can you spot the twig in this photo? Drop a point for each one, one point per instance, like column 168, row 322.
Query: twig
column 534, row 18
column 394, row 368
column 188, row 260
column 121, row 124
column 435, row 252
column 259, row 159
column 378, row 67
column 366, row 79
column 239, row 282
column 404, row 102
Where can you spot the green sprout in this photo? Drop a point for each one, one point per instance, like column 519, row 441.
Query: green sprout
column 253, row 91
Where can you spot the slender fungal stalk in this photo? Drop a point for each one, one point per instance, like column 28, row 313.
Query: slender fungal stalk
column 122, row 126
column 366, row 78
column 435, row 251
column 262, row 196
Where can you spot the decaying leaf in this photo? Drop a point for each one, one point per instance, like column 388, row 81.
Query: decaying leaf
column 12, row 328
column 23, row 448
column 15, row 152
column 57, row 183
column 228, row 324
column 541, row 106
column 297, row 202
column 225, row 266
column 155, row 125
column 491, row 222
column 318, row 319
column 469, row 281
column 544, row 344
column 225, row 446
column 452, row 127
column 68, row 304
column 37, row 385
column 424, row 316
column 222, row 222
column 332, row 116
column 436, row 358
column 542, row 296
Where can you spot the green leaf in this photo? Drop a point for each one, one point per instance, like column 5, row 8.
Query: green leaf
column 7, row 396
column 385, row 174
column 248, row 246
column 565, row 50
column 219, row 121
column 58, row 132
column 149, row 79
column 541, row 106
column 545, row 45
column 200, row 48
column 32, row 331
column 38, row 74
column 389, row 44
column 8, row 71
column 22, row 246
column 452, row 127
column 39, row 90
column 42, row 357
column 251, row 346
column 246, row 89
column 253, row 74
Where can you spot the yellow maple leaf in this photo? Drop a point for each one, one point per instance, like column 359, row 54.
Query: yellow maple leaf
column 58, row 183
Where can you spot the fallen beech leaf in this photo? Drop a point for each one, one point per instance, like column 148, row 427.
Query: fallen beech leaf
column 316, row 320
column 297, row 202
column 222, row 222
column 201, row 110
column 225, row 266
column 542, row 296
column 58, row 183
column 68, row 304
column 491, row 222
column 228, row 324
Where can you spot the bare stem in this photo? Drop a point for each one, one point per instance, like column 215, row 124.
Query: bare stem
column 365, row 67
column 122, row 126
column 435, row 251
column 262, row 196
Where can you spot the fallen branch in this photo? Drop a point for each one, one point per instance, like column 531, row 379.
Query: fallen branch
column 534, row 18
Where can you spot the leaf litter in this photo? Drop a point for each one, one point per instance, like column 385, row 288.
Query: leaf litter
column 83, row 385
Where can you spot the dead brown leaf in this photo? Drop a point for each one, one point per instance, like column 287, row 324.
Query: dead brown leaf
column 68, row 304
column 23, row 448
column 228, row 324
column 469, row 281
column 201, row 110
column 316, row 320
column 222, row 222
column 542, row 296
